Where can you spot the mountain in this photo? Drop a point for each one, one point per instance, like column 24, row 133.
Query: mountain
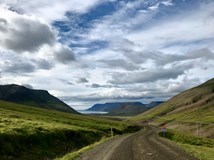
column 38, row 98
column 186, row 111
column 123, row 108
column 108, row 107
column 128, row 110
column 154, row 104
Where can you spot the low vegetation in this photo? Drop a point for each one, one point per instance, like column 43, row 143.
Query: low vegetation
column 201, row 152
column 202, row 148
column 31, row 133
column 188, row 111
column 197, row 99
column 189, row 119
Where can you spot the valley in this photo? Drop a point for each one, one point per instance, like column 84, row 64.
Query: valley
column 29, row 132
column 107, row 80
column 189, row 120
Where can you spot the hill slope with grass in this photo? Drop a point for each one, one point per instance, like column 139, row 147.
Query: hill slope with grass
column 38, row 98
column 187, row 111
column 188, row 118
column 32, row 133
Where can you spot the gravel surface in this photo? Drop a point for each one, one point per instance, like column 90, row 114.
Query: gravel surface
column 144, row 145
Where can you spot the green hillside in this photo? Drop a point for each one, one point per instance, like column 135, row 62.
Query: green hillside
column 32, row 133
column 189, row 118
column 31, row 97
column 187, row 110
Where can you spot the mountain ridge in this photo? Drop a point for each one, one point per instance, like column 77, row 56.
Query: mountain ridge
column 123, row 108
column 107, row 107
column 31, row 97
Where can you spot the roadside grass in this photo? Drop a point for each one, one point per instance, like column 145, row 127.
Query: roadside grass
column 32, row 133
column 202, row 148
column 185, row 126
column 201, row 152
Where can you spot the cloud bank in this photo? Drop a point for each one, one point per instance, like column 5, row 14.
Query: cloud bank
column 109, row 50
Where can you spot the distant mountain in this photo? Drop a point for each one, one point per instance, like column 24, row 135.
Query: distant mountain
column 154, row 104
column 123, row 108
column 128, row 110
column 108, row 107
column 38, row 98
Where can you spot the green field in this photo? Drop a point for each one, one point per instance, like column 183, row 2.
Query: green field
column 33, row 133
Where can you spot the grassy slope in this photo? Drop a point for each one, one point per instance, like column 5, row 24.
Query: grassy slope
column 186, row 109
column 188, row 114
column 33, row 133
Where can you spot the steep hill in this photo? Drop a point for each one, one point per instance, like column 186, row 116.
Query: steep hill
column 38, row 98
column 191, row 110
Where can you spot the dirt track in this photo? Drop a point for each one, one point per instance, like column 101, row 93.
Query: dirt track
column 144, row 145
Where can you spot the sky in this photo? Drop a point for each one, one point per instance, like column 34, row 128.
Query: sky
column 100, row 51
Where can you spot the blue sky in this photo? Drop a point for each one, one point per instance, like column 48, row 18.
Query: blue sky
column 109, row 50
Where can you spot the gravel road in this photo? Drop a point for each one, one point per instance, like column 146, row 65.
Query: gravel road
column 144, row 145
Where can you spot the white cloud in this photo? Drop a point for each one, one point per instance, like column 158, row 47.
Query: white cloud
column 63, row 54
column 22, row 33
column 119, row 23
column 49, row 10
column 187, row 27
column 154, row 7
column 82, row 80
column 182, row 29
column 167, row 3
column 145, row 57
